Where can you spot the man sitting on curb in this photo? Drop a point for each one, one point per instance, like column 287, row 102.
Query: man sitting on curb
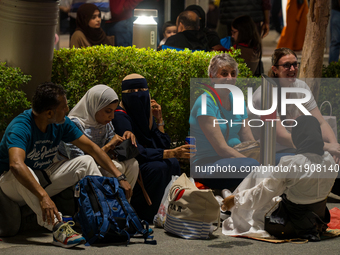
column 27, row 150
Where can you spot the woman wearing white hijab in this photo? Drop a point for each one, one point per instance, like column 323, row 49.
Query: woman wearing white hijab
column 93, row 115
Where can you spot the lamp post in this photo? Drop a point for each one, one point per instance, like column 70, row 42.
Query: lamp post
column 268, row 131
column 145, row 28
column 27, row 34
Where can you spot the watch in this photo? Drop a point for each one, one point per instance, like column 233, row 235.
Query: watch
column 121, row 178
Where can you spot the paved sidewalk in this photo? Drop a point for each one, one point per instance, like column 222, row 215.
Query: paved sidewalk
column 38, row 241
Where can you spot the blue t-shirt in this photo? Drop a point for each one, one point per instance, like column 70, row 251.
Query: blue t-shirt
column 40, row 147
column 203, row 146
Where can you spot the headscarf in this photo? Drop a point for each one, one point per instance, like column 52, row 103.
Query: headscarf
column 137, row 106
column 95, row 36
column 307, row 135
column 94, row 100
column 200, row 13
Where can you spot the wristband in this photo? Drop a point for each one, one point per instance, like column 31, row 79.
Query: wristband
column 121, row 178
column 161, row 124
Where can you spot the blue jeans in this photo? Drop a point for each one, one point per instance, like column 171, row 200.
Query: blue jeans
column 334, row 49
column 122, row 30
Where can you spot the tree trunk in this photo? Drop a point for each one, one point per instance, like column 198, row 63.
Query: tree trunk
column 314, row 44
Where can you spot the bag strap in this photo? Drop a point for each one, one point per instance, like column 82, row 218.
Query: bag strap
column 120, row 110
column 141, row 184
column 219, row 103
column 330, row 106
column 135, row 221
column 105, row 210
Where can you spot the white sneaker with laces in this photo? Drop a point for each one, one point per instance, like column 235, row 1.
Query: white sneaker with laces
column 65, row 236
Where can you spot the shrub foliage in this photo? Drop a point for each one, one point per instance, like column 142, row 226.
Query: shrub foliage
column 167, row 72
column 12, row 98
column 330, row 91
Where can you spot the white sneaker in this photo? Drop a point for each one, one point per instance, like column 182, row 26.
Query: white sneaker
column 219, row 200
column 226, row 193
column 65, row 236
column 223, row 214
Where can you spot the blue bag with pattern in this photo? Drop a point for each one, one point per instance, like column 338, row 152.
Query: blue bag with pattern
column 104, row 213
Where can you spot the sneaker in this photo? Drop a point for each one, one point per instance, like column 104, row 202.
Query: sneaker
column 226, row 193
column 223, row 214
column 65, row 236
column 219, row 199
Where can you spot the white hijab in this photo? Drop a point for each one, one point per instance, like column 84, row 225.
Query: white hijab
column 94, row 100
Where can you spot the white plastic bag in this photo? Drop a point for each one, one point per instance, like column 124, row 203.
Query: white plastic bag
column 159, row 219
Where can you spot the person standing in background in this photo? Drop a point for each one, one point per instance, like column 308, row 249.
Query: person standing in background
column 258, row 10
column 212, row 15
column 334, row 48
column 121, row 23
column 293, row 33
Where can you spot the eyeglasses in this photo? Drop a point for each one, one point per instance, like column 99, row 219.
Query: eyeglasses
column 288, row 65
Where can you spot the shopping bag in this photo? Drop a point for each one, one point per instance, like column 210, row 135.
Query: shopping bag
column 191, row 211
column 331, row 120
column 159, row 219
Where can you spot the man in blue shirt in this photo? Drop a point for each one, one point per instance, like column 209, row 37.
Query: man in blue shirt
column 28, row 173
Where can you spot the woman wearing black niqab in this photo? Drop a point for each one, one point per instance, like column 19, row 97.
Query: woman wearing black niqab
column 137, row 113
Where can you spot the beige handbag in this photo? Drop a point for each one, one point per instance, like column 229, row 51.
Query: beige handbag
column 191, row 211
column 250, row 149
column 331, row 120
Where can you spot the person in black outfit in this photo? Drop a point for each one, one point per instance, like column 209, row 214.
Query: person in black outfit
column 212, row 36
column 188, row 35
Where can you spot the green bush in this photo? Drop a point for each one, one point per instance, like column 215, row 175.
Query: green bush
column 12, row 98
column 330, row 91
column 167, row 72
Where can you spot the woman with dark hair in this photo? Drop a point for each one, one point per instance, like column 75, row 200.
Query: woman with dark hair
column 137, row 113
column 89, row 32
column 247, row 39
column 284, row 70
column 294, row 197
column 212, row 36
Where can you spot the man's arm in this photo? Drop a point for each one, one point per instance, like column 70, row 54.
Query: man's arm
column 102, row 159
column 25, row 177
column 328, row 136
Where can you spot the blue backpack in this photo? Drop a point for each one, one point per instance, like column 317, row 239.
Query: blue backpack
column 104, row 213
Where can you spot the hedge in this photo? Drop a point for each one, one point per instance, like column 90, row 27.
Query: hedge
column 12, row 98
column 167, row 72
column 330, row 91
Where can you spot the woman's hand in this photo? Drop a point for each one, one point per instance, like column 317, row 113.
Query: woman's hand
column 130, row 135
column 115, row 141
column 184, row 151
column 156, row 110
column 228, row 203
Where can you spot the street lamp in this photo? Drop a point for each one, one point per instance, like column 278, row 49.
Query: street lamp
column 145, row 28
